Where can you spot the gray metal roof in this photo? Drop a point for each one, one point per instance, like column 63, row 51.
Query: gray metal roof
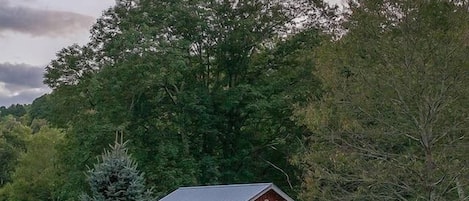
column 234, row 192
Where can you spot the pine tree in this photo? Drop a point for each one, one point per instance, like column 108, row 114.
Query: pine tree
column 116, row 178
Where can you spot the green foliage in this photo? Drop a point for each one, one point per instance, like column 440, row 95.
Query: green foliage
column 218, row 91
column 78, row 152
column 204, row 90
column 13, row 137
column 116, row 178
column 42, row 109
column 35, row 176
column 16, row 110
column 392, row 122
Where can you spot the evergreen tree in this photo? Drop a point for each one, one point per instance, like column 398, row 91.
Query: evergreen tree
column 116, row 178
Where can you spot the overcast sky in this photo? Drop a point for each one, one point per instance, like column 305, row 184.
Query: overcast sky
column 31, row 32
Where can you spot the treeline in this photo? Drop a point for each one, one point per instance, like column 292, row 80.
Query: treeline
column 371, row 104
column 16, row 110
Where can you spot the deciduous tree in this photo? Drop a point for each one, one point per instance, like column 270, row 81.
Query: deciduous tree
column 393, row 122
column 36, row 175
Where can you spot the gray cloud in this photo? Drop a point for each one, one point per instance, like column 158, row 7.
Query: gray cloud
column 21, row 75
column 20, row 83
column 23, row 97
column 41, row 22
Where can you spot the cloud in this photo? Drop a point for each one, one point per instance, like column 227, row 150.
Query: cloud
column 38, row 22
column 21, row 75
column 24, row 96
column 20, row 83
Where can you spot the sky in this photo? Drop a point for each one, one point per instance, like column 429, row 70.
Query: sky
column 31, row 33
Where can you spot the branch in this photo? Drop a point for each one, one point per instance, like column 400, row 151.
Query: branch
column 173, row 99
column 280, row 169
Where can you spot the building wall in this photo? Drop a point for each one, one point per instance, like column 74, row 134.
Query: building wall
column 270, row 195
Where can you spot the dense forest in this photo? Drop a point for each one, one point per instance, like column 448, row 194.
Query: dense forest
column 363, row 102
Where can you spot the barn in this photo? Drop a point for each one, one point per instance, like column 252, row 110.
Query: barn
column 233, row 192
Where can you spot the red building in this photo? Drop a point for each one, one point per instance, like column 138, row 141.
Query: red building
column 234, row 192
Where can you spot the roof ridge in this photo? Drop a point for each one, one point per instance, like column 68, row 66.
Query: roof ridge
column 227, row 185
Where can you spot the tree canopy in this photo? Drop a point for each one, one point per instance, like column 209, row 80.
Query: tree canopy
column 393, row 120
column 367, row 104
column 204, row 90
